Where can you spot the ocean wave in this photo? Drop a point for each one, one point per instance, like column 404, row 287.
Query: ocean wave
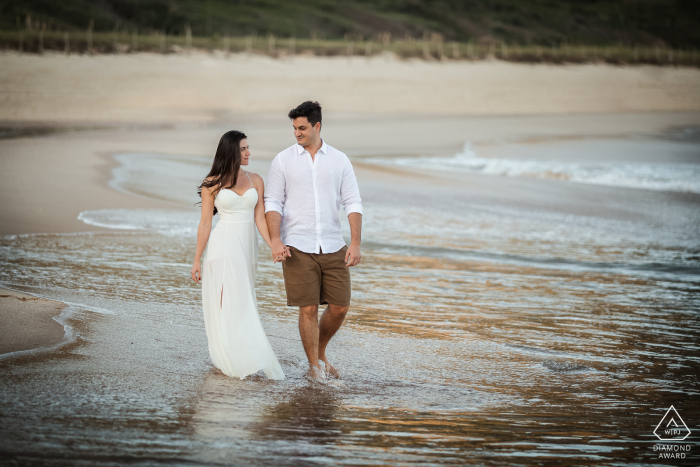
column 173, row 223
column 661, row 177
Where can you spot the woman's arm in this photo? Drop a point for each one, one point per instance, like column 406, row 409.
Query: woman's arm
column 274, row 208
column 260, row 208
column 203, row 231
column 260, row 219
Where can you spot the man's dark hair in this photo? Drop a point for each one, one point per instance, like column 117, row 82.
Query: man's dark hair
column 310, row 110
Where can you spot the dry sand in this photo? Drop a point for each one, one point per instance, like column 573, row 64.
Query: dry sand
column 27, row 322
column 181, row 104
column 206, row 87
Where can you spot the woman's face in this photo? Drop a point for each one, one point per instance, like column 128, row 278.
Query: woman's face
column 245, row 152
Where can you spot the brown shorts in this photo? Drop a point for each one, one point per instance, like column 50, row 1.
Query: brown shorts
column 313, row 279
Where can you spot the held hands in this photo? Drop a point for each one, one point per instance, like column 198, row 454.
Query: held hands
column 196, row 272
column 353, row 256
column 280, row 251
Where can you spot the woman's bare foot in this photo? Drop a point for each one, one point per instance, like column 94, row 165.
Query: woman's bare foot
column 330, row 369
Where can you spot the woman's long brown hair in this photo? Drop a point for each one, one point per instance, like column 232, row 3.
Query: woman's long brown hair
column 227, row 164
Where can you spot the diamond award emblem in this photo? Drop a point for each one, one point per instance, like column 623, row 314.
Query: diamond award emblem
column 671, row 427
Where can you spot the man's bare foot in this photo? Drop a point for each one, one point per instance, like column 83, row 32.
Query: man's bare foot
column 315, row 373
column 330, row 369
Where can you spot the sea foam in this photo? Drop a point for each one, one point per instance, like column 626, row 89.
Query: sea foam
column 681, row 177
column 173, row 223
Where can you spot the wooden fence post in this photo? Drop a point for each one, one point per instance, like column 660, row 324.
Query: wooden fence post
column 66, row 42
column 455, row 51
column 135, row 40
column 188, row 38
column 162, row 42
column 89, row 36
column 41, row 38
column 21, row 41
column 271, row 44
column 386, row 37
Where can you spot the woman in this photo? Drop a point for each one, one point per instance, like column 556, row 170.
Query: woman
column 237, row 342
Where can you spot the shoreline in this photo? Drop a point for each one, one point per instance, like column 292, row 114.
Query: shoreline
column 28, row 322
column 81, row 181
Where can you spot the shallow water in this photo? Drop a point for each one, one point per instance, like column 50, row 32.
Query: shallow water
column 632, row 163
column 486, row 336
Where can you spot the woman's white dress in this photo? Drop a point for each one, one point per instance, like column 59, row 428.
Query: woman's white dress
column 238, row 344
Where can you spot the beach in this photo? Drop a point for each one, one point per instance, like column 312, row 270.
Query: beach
column 203, row 87
column 528, row 291
column 27, row 322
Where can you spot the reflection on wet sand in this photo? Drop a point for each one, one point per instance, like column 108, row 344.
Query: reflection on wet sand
column 480, row 337
column 309, row 413
column 440, row 357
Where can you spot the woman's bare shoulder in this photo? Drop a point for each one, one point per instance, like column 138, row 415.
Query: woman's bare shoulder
column 208, row 189
column 255, row 177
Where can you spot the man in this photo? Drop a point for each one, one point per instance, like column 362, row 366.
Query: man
column 307, row 184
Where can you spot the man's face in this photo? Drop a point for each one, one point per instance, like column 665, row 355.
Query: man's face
column 306, row 134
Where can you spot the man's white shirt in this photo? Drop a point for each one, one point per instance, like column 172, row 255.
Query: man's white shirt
column 308, row 194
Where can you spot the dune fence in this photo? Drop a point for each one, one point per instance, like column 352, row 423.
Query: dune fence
column 432, row 49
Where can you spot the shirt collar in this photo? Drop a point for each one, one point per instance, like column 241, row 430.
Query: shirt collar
column 323, row 149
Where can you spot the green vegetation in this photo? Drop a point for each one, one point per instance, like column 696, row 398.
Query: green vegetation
column 615, row 31
column 670, row 23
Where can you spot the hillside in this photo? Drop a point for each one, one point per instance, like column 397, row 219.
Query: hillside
column 671, row 23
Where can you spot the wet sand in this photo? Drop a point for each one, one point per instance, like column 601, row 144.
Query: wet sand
column 27, row 322
column 46, row 181
column 493, row 317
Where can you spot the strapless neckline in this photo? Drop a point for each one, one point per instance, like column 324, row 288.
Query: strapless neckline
column 228, row 189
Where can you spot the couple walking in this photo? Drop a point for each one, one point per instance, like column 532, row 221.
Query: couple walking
column 298, row 218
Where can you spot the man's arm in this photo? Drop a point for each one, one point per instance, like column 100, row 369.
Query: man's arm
column 279, row 251
column 352, row 205
column 353, row 255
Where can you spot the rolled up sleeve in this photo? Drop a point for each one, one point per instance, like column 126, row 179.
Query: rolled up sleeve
column 274, row 192
column 349, row 191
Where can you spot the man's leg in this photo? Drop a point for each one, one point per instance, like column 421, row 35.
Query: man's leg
column 309, row 331
column 331, row 320
column 335, row 290
column 302, row 281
